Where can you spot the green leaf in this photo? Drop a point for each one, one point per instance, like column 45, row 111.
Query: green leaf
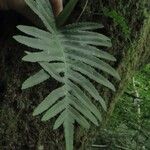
column 88, row 35
column 52, row 71
column 49, row 101
column 34, row 42
column 90, row 50
column 83, row 109
column 92, row 74
column 33, row 31
column 85, row 100
column 69, row 131
column 87, row 85
column 83, row 40
column 70, row 56
column 82, row 26
column 36, row 8
column 54, row 110
column 94, row 62
column 41, row 56
column 60, row 120
column 39, row 77
column 79, row 118
column 63, row 16
column 46, row 9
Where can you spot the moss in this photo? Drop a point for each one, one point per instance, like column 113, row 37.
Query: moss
column 137, row 55
column 132, row 54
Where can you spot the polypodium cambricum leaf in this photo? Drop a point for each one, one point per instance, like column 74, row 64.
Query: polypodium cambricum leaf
column 70, row 56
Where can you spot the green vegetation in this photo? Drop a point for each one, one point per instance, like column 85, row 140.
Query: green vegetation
column 119, row 22
column 126, row 129
column 71, row 57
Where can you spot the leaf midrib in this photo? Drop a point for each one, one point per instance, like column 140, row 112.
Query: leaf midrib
column 66, row 67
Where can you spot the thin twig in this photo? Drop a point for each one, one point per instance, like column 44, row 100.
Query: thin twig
column 99, row 146
column 84, row 8
column 138, row 111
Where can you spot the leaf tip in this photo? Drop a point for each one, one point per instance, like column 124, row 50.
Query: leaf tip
column 15, row 37
column 54, row 127
column 114, row 89
column 23, row 87
column 34, row 113
column 105, row 108
column 118, row 77
column 20, row 27
column 113, row 58
column 44, row 119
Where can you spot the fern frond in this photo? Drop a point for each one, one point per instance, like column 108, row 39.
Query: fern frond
column 70, row 56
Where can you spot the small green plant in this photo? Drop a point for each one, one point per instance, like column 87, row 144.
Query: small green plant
column 127, row 128
column 68, row 55
column 119, row 20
